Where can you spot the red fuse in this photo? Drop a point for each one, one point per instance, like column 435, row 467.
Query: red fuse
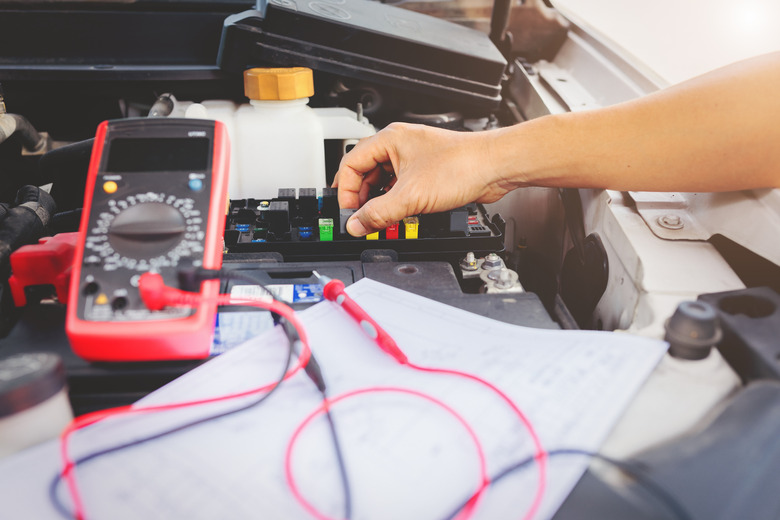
column 49, row 262
column 392, row 232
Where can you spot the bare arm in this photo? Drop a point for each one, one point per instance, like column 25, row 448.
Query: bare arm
column 716, row 132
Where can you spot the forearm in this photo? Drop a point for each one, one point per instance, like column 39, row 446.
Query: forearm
column 713, row 133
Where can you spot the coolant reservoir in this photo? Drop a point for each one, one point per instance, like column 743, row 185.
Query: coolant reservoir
column 278, row 138
column 224, row 111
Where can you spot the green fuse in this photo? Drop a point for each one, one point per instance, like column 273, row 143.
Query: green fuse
column 326, row 229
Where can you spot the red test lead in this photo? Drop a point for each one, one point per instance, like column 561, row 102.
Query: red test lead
column 333, row 290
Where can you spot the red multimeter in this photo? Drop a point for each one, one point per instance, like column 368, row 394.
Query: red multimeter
column 155, row 202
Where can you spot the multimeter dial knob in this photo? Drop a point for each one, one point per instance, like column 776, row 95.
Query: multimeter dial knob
column 147, row 230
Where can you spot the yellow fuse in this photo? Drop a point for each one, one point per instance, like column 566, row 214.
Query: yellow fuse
column 373, row 236
column 411, row 226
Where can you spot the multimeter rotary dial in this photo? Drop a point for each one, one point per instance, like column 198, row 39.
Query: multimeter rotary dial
column 147, row 231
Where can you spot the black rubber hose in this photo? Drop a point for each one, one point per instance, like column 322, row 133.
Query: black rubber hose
column 11, row 124
column 26, row 222
column 66, row 168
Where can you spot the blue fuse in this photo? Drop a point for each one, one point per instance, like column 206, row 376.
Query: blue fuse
column 305, row 232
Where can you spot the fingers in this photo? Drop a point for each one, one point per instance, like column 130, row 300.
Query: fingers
column 421, row 169
column 374, row 178
column 376, row 214
column 360, row 169
column 352, row 189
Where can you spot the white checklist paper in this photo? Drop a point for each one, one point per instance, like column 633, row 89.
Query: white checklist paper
column 406, row 457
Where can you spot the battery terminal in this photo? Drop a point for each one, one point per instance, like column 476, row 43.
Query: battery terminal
column 469, row 262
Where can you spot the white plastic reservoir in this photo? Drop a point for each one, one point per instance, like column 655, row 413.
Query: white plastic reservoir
column 277, row 140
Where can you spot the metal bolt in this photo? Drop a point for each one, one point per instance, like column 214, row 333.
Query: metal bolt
column 505, row 279
column 469, row 263
column 671, row 221
column 492, row 261
column 502, row 278
column 499, row 274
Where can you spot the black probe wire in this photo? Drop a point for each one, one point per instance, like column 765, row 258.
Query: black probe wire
column 340, row 458
column 66, row 513
column 314, row 372
column 191, row 279
column 312, row 368
column 632, row 469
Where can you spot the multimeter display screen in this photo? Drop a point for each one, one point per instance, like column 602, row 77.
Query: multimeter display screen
column 158, row 154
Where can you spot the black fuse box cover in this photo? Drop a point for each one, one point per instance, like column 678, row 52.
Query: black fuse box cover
column 368, row 41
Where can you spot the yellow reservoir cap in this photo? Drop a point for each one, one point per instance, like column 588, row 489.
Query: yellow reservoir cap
column 278, row 84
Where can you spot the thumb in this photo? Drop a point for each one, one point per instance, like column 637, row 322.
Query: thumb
column 375, row 215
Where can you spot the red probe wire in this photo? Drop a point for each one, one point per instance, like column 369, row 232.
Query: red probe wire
column 333, row 290
column 540, row 454
column 157, row 295
column 484, row 478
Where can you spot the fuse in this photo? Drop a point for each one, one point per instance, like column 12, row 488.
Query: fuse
column 307, row 204
column 459, row 222
column 244, row 219
column 373, row 236
column 411, row 225
column 287, row 194
column 330, row 204
column 278, row 218
column 326, row 229
column 392, row 232
column 305, row 232
column 260, row 234
column 344, row 214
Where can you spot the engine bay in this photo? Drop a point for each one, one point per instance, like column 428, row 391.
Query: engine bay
column 542, row 258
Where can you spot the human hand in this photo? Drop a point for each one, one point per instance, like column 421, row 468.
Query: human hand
column 423, row 169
